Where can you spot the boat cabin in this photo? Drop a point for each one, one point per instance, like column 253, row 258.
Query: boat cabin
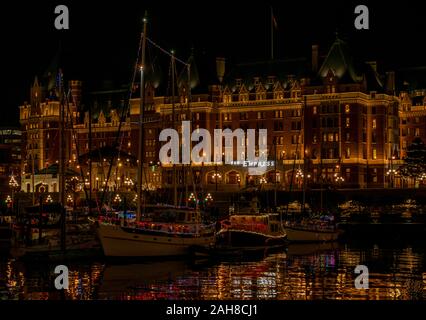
column 263, row 223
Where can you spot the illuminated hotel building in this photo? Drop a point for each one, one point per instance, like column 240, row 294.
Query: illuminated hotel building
column 333, row 120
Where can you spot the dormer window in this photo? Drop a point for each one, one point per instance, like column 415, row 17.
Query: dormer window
column 279, row 95
column 226, row 98
column 238, row 82
column 244, row 97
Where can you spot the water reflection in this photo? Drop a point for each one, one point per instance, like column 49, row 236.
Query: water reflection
column 301, row 272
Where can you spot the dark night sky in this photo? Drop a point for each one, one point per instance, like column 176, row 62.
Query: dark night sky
column 103, row 37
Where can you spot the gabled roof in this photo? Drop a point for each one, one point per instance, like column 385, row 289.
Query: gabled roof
column 340, row 62
column 412, row 78
column 194, row 76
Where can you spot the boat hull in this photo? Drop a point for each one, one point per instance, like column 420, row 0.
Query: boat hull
column 303, row 235
column 119, row 243
column 243, row 238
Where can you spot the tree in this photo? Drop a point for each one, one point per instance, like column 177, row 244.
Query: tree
column 415, row 162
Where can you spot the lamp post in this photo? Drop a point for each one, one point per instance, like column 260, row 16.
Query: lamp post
column 129, row 183
column 299, row 177
column 391, row 173
column 216, row 177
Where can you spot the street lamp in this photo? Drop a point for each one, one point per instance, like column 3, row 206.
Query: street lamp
column 339, row 179
column 299, row 176
column 70, row 200
column 216, row 176
column 208, row 198
column 391, row 173
column 8, row 201
column 49, row 199
column 117, row 198
column 128, row 182
column 192, row 199
column 13, row 184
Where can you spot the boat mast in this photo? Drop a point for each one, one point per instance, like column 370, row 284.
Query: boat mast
column 141, row 121
column 190, row 118
column 173, row 126
column 275, row 172
column 90, row 160
column 304, row 176
column 61, row 170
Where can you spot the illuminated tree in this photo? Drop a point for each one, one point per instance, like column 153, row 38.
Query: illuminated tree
column 415, row 162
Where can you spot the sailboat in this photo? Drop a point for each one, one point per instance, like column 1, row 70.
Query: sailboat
column 166, row 230
column 45, row 230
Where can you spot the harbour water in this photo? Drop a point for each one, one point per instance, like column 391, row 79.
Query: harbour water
column 298, row 272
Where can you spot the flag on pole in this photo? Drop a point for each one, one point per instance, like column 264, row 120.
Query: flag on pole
column 274, row 25
column 274, row 20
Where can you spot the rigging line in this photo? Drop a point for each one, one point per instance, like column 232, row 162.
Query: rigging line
column 165, row 51
column 122, row 134
column 74, row 136
column 169, row 76
column 123, row 113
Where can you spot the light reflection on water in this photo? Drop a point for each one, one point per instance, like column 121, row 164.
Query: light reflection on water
column 301, row 272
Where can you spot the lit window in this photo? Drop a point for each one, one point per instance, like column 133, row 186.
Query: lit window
column 374, row 154
column 374, row 124
column 314, row 110
column 347, row 109
column 348, row 122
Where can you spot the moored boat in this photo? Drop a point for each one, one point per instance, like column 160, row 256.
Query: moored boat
column 251, row 228
column 167, row 231
column 311, row 233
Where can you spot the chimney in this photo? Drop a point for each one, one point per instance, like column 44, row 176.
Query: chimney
column 390, row 82
column 315, row 49
column 220, row 68
column 373, row 65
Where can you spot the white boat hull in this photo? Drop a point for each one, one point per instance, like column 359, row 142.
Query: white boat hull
column 303, row 235
column 118, row 243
